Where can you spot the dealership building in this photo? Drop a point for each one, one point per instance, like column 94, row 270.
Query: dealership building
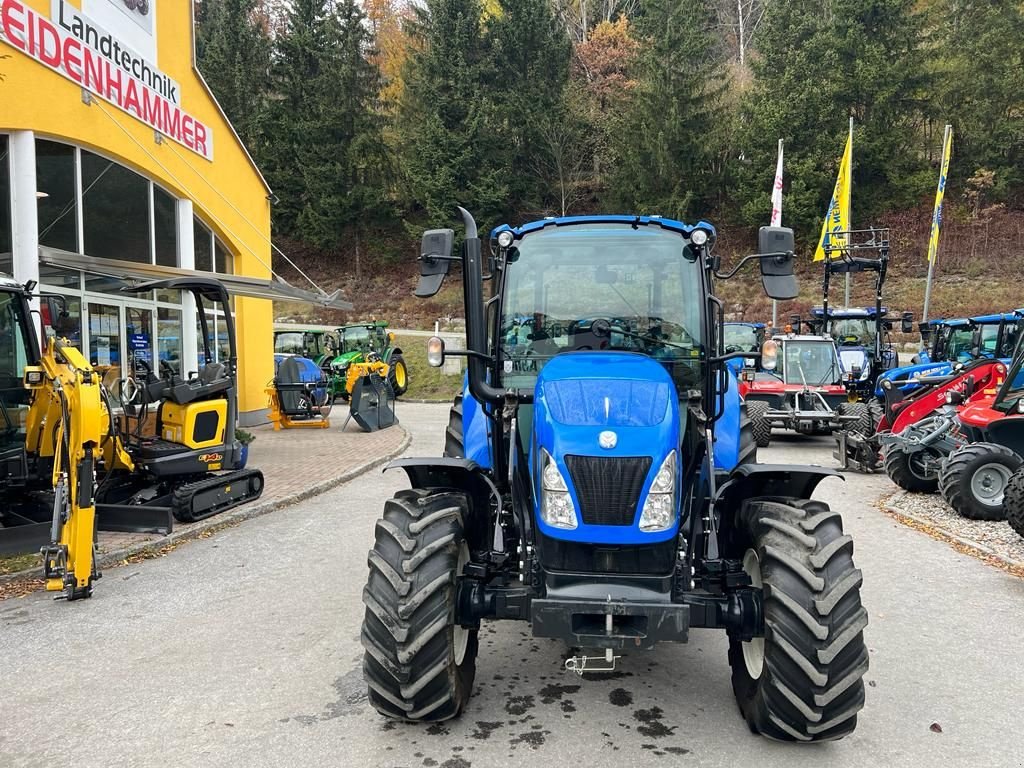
column 118, row 166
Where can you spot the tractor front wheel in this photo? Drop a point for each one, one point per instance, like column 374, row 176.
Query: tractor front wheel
column 1013, row 501
column 975, row 477
column 760, row 426
column 801, row 681
column 420, row 662
column 398, row 375
column 909, row 471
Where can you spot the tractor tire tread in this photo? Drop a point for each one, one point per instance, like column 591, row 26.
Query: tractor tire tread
column 1013, row 502
column 955, row 479
column 760, row 427
column 897, row 466
column 454, row 440
column 408, row 632
column 811, row 685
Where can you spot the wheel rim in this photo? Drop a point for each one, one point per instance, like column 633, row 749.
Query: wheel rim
column 400, row 375
column 988, row 484
column 460, row 635
column 753, row 650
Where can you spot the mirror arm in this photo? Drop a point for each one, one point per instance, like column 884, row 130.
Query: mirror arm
column 735, row 356
column 758, row 256
column 469, row 353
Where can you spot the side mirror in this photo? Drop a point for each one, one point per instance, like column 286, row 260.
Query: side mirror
column 435, row 256
column 777, row 270
column 976, row 342
column 907, row 322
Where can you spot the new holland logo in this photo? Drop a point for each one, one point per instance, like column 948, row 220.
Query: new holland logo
column 211, row 458
column 607, row 439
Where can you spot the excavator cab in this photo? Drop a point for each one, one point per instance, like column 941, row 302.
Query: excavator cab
column 196, row 413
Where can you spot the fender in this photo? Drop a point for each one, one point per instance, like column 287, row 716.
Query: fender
column 727, row 428
column 458, row 474
column 750, row 480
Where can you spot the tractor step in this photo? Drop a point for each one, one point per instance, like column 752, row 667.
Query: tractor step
column 215, row 494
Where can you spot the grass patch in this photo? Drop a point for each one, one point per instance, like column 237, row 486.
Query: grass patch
column 425, row 383
column 15, row 563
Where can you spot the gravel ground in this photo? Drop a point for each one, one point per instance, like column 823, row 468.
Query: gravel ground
column 996, row 538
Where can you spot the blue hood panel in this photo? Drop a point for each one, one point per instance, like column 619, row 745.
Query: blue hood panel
column 569, row 415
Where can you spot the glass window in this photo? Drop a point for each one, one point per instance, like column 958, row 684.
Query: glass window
column 165, row 228
column 116, row 210
column 105, row 339
column 62, row 317
column 6, row 235
column 289, row 342
column 56, row 201
column 139, row 335
column 13, row 345
column 810, row 362
column 203, row 245
column 59, row 277
column 105, row 284
column 225, row 262
column 168, row 331
column 169, row 296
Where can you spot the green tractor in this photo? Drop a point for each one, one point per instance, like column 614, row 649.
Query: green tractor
column 359, row 342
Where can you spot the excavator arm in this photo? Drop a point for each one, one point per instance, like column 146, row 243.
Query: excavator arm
column 67, row 424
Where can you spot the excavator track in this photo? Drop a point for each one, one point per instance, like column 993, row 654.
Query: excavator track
column 214, row 494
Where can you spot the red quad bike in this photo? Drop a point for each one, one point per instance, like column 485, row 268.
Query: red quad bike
column 799, row 387
column 860, row 446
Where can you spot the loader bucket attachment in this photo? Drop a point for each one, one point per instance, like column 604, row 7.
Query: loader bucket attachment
column 372, row 405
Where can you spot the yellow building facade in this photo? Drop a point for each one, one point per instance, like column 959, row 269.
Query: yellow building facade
column 118, row 165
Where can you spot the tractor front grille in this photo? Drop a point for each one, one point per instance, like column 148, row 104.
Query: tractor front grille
column 608, row 487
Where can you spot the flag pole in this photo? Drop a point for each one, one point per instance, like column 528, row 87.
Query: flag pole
column 935, row 256
column 849, row 213
column 778, row 223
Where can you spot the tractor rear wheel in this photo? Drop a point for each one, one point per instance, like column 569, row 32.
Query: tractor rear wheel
column 1013, row 501
column 908, row 470
column 398, row 375
column 802, row 681
column 454, row 444
column 760, row 426
column 974, row 478
column 863, row 423
column 419, row 663
column 748, row 445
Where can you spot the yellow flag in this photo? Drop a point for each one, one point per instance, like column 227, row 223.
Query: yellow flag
column 837, row 219
column 933, row 237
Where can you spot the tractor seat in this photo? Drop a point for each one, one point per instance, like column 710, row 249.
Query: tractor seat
column 212, row 379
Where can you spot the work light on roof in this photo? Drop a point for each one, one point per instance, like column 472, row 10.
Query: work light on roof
column 699, row 236
column 505, row 238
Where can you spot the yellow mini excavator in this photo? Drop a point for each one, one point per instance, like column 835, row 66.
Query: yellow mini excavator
column 98, row 471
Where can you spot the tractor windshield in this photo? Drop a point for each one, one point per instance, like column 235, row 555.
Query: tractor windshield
column 289, row 343
column 559, row 281
column 740, row 338
column 858, row 331
column 355, row 338
column 810, row 362
column 958, row 344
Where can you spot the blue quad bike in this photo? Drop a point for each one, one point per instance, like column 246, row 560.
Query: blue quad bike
column 599, row 482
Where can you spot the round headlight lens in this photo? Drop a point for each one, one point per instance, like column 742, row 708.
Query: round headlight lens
column 699, row 236
column 505, row 238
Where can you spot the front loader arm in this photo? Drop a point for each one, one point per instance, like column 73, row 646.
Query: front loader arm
column 67, row 422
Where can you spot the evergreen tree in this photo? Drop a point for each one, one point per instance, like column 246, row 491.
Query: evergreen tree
column 448, row 138
column 233, row 51
column 530, row 53
column 299, row 53
column 666, row 144
column 980, row 90
column 345, row 160
column 818, row 66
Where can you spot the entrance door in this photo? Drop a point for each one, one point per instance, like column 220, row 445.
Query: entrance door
column 139, row 337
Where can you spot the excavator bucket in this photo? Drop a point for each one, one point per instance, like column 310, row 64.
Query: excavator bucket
column 372, row 404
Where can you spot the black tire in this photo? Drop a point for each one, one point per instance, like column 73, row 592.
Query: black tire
column 1013, row 501
column 748, row 445
column 760, row 427
column 454, row 444
column 419, row 665
column 807, row 685
column 877, row 411
column 863, row 424
column 906, row 471
column 393, row 364
column 974, row 478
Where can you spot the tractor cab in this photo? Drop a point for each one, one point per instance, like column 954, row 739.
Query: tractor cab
column 860, row 334
column 370, row 343
column 742, row 337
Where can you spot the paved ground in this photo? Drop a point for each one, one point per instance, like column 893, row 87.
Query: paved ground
column 243, row 649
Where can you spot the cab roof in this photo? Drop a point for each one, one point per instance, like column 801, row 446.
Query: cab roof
column 756, row 326
column 849, row 312
column 568, row 221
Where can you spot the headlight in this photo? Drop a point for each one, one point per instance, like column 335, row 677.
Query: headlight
column 659, row 513
column 556, row 507
column 505, row 238
column 699, row 236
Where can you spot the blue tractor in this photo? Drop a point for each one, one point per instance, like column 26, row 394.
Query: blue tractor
column 599, row 482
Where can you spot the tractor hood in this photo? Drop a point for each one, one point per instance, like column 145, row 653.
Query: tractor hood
column 608, row 420
column 856, row 357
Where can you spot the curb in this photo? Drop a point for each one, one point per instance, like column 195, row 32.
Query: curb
column 228, row 519
column 963, row 541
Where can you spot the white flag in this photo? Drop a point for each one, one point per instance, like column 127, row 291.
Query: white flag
column 777, row 192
